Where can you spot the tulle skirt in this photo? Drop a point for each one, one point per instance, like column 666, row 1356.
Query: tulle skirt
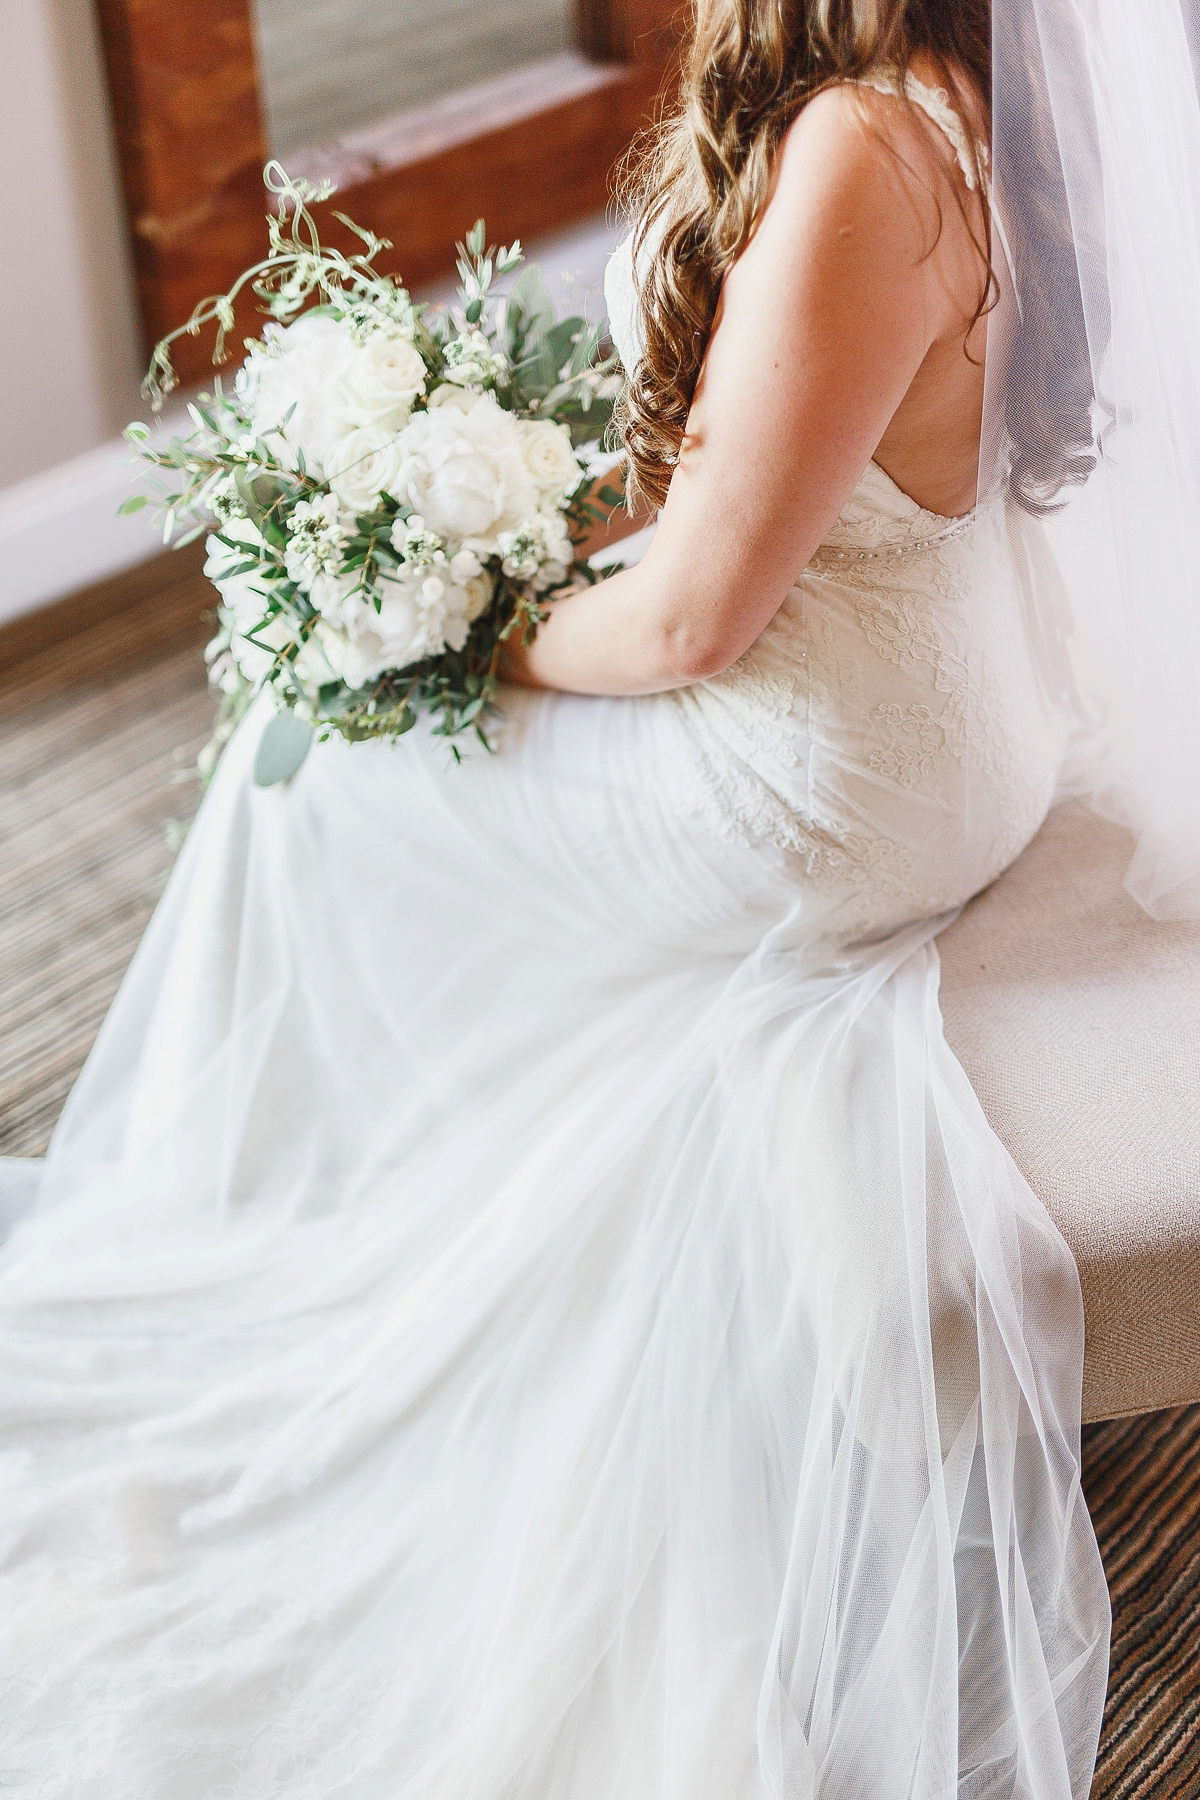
column 512, row 1310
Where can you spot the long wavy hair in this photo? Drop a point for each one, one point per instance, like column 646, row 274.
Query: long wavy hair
column 699, row 184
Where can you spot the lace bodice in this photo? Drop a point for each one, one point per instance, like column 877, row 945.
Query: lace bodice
column 887, row 727
column 883, row 729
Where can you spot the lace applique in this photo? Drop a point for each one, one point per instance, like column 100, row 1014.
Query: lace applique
column 911, row 740
column 805, row 699
column 758, row 695
column 899, row 627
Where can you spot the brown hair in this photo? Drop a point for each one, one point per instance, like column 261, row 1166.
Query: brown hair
column 700, row 184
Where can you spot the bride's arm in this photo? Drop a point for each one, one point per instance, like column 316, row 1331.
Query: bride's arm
column 822, row 325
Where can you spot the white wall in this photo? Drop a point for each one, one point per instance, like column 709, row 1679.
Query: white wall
column 70, row 352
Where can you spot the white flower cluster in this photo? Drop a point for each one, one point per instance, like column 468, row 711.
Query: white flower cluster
column 479, row 490
column 223, row 500
column 317, row 538
column 539, row 551
column 472, row 363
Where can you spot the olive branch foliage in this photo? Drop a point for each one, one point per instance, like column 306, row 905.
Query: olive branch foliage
column 559, row 370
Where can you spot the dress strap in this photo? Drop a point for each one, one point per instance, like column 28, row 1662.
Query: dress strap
column 937, row 106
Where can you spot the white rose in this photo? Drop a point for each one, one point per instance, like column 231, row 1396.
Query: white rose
column 361, row 466
column 464, row 473
column 451, row 395
column 549, row 457
column 384, row 378
column 478, row 590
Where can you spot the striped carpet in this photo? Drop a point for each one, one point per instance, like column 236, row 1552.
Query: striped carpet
column 102, row 707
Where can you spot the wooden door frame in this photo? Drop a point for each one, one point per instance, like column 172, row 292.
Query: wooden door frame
column 528, row 152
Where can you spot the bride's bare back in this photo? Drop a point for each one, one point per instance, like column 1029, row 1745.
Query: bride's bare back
column 931, row 445
column 841, row 335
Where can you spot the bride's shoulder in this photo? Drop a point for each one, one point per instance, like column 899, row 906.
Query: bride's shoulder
column 867, row 137
column 862, row 159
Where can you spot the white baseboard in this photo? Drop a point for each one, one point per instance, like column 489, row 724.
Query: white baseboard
column 59, row 531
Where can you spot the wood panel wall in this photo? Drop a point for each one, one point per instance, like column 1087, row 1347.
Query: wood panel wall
column 189, row 125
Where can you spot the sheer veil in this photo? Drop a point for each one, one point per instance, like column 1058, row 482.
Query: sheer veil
column 1096, row 197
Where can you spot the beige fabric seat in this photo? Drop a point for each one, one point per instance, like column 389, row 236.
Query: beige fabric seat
column 1077, row 1019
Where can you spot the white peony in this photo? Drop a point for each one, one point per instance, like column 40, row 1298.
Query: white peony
column 479, row 590
column 383, row 379
column 362, row 465
column 330, row 595
column 465, row 474
column 449, row 395
column 301, row 370
column 418, row 616
column 550, row 458
column 320, row 658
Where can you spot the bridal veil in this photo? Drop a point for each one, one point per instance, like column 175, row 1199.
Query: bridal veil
column 1096, row 168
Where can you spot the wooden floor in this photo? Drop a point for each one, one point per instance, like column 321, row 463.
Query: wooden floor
column 103, row 705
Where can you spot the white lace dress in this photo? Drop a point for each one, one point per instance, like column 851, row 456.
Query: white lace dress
column 524, row 1305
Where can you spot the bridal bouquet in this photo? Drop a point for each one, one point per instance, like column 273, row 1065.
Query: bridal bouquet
column 389, row 489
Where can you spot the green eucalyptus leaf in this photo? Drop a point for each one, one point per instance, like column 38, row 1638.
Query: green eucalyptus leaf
column 536, row 371
column 247, row 496
column 134, row 504
column 586, row 348
column 282, row 747
column 562, row 339
column 530, row 308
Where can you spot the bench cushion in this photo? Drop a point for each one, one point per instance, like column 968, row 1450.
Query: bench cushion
column 1077, row 1019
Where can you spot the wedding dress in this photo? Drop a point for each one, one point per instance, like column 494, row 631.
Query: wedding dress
column 523, row 1301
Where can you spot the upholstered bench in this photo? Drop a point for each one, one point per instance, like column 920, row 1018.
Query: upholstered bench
column 1077, row 1019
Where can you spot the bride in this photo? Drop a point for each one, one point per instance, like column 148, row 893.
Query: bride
column 522, row 1300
